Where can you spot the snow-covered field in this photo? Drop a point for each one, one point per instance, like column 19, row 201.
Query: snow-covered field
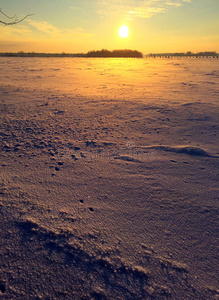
column 109, row 178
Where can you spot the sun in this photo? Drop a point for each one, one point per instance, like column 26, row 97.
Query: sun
column 123, row 31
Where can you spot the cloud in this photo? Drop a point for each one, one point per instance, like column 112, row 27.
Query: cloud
column 55, row 32
column 35, row 33
column 75, row 8
column 44, row 27
column 137, row 8
column 20, row 30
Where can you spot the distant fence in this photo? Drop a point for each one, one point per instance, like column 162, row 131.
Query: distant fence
column 175, row 56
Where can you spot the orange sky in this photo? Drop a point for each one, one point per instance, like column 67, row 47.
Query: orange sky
column 79, row 26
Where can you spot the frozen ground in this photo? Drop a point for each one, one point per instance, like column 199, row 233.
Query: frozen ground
column 109, row 178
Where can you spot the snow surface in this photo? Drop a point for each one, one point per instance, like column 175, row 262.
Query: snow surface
column 109, row 178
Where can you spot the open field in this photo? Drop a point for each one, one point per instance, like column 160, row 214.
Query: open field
column 109, row 178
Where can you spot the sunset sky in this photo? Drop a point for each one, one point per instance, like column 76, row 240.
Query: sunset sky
column 81, row 25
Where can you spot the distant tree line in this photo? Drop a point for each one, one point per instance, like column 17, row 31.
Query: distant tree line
column 115, row 53
column 36, row 54
column 101, row 53
column 189, row 53
column 107, row 53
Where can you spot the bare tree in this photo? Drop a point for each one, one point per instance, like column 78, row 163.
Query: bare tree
column 14, row 19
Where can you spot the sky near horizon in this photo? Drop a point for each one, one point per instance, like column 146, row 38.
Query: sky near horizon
column 75, row 26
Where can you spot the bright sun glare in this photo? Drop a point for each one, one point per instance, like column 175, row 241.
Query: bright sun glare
column 123, row 31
